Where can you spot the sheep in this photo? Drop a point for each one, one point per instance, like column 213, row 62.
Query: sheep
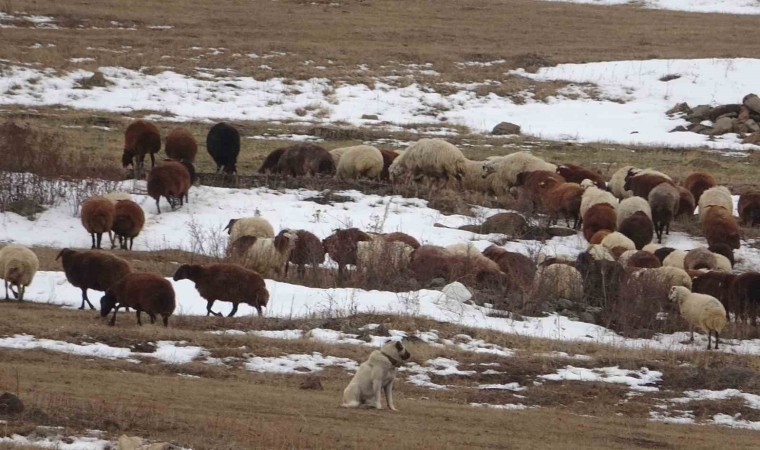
column 642, row 183
column 537, row 184
column 341, row 246
column 558, row 281
column 673, row 258
column 702, row 258
column 181, row 145
column 398, row 236
column 665, row 276
column 270, row 162
column 686, row 203
column 564, row 200
column 249, row 226
column 92, row 270
column 267, row 256
column 701, row 310
column 639, row 259
column 715, row 196
column 697, row 183
column 128, row 221
column 518, row 267
column 617, row 182
column 305, row 159
column 749, row 208
column 468, row 250
column 506, row 169
column 718, row 284
column 433, row 159
column 631, row 205
column 171, row 180
column 336, row 154
column 140, row 138
column 145, row 292
column 663, row 199
column 223, row 144
column 651, row 248
column 473, row 179
column 617, row 239
column 429, row 262
column 388, row 157
column 97, row 216
column 638, row 227
column 387, row 256
column 116, row 196
column 594, row 196
column 745, row 292
column 18, row 265
column 308, row 249
column 601, row 276
column 724, row 249
column 227, row 283
column 576, row 174
column 599, row 252
column 598, row 217
column 361, row 161
column 720, row 227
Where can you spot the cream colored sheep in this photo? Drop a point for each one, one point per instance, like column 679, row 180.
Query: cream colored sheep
column 18, row 265
column 433, row 159
column 715, row 196
column 667, row 276
column 506, row 169
column 468, row 250
column 653, row 172
column 631, row 205
column 386, row 255
column 617, row 181
column 249, row 226
column 702, row 258
column 541, row 259
column 704, row 311
column 675, row 259
column 267, row 256
column 473, row 177
column 336, row 153
column 361, row 161
column 116, row 196
column 651, row 248
column 599, row 252
column 617, row 239
column 593, row 196
column 558, row 281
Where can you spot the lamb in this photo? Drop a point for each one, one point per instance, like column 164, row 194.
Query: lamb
column 171, row 180
column 92, row 270
column 140, row 138
column 388, row 157
column 638, row 227
column 576, row 174
column 697, row 183
column 702, row 258
column 507, row 168
column 720, row 227
column 223, row 144
column 269, row 165
column 663, row 199
column 249, row 226
column 564, row 200
column 342, row 245
column 145, row 292
column 307, row 250
column 599, row 217
column 558, row 281
column 686, row 203
column 361, row 161
column 715, row 196
column 305, row 159
column 701, row 310
column 617, row 182
column 749, row 208
column 594, row 196
column 18, row 265
column 642, row 183
column 631, row 205
column 181, row 145
column 718, row 285
column 128, row 221
column 267, row 256
column 433, row 159
column 639, row 259
column 617, row 240
column 97, row 217
column 227, row 283
column 745, row 292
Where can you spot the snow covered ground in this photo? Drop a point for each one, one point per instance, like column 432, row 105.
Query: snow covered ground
column 699, row 6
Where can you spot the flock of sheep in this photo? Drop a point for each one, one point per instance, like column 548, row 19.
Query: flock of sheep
column 619, row 217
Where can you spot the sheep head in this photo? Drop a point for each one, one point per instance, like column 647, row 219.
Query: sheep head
column 107, row 303
column 678, row 294
column 228, row 228
column 187, row 272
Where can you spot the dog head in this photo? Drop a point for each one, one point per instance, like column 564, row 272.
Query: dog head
column 396, row 351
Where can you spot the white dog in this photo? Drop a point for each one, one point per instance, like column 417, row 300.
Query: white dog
column 376, row 374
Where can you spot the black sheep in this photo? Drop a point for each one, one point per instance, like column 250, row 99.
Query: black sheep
column 223, row 144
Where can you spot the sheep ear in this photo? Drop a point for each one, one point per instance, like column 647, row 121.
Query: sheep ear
column 281, row 242
column 228, row 228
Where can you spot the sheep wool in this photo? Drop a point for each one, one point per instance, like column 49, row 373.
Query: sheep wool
column 715, row 196
column 558, row 281
column 594, row 196
column 631, row 205
column 249, row 226
column 18, row 265
column 617, row 182
column 704, row 311
column 617, row 239
column 361, row 161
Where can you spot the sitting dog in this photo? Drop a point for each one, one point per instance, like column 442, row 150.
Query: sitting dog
column 376, row 374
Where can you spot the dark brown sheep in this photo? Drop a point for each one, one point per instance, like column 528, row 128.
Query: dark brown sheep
column 308, row 250
column 720, row 227
column 92, row 270
column 97, row 217
column 305, row 159
column 128, row 221
column 664, row 199
column 141, row 138
column 226, row 283
column 145, row 292
column 686, row 203
column 699, row 182
column 519, row 268
column 663, row 252
column 717, row 284
column 749, row 208
column 641, row 184
column 576, row 174
column 270, row 162
column 181, row 145
column 642, row 260
column 639, row 228
column 745, row 292
column 398, row 236
column 341, row 246
column 388, row 157
column 171, row 180
column 599, row 217
column 564, row 200
column 429, row 262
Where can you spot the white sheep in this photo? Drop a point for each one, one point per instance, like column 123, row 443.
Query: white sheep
column 473, row 177
column 617, row 239
column 390, row 255
column 558, row 281
column 651, row 248
column 360, row 161
column 435, row 159
column 599, row 252
column 715, row 196
column 18, row 265
column 617, row 183
column 336, row 154
column 704, row 311
column 702, row 258
column 592, row 195
column 506, row 169
column 666, row 276
column 249, row 226
column 630, row 206
column 267, row 256
column 675, row 259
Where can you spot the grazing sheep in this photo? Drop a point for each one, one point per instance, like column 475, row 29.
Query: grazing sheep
column 702, row 258
column 537, row 184
column 698, row 182
column 249, row 226
column 97, row 216
column 226, row 283
column 307, row 250
column 128, row 221
column 638, row 227
column 341, row 246
column 181, row 145
column 672, row 257
column 724, row 249
column 599, row 236
column 665, row 276
column 468, row 250
column 223, row 144
column 433, row 159
column 715, row 196
column 269, row 165
column 558, row 281
column 429, row 262
column 519, row 268
column 337, row 153
column 266, row 256
column 576, row 174
column 305, row 159
column 601, row 277
column 140, row 138
column 720, row 227
column 145, row 292
column 631, row 205
column 594, row 196
column 617, row 239
column 599, row 252
column 398, row 236
column 92, row 270
column 361, row 161
column 617, row 182
column 639, row 259
column 564, row 200
column 171, row 180
column 18, row 265
column 386, row 256
column 749, row 208
column 599, row 217
column 506, row 169
column 116, row 196
column 700, row 310
column 651, row 248
column 745, row 292
column 663, row 199
column 686, row 203
column 388, row 157
column 473, row 179
column 642, row 183
column 718, row 284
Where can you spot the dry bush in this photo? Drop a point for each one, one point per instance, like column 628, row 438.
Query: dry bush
column 385, row 269
column 641, row 309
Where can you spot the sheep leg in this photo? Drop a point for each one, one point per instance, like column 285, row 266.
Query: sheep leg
column 92, row 236
column 112, row 322
column 234, row 310
column 208, row 308
column 131, row 241
column 6, row 290
column 100, row 240
column 21, row 290
column 152, row 318
column 692, row 334
column 716, row 340
column 258, row 310
column 152, row 160
column 158, row 207
column 110, row 236
column 139, row 317
column 709, row 339
column 165, row 317
column 85, row 299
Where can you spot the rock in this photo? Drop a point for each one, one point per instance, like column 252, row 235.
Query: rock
column 586, row 317
column 561, row 231
column 729, row 115
column 506, row 128
column 678, row 129
column 722, row 110
column 743, row 114
column 338, row 133
column 722, row 126
column 698, row 128
column 679, row 108
column 699, row 113
column 370, row 117
column 457, row 291
column 313, row 383
column 565, row 303
column 10, row 405
column 511, row 224
column 753, row 138
column 128, row 443
column 752, row 102
column 752, row 125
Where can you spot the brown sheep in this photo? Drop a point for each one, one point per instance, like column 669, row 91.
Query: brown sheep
column 429, row 262
column 140, row 138
column 518, row 267
column 599, row 217
column 724, row 249
column 642, row 260
column 388, row 157
column 564, row 200
column 128, row 221
column 576, row 174
column 171, row 180
column 308, row 250
column 749, row 208
column 341, row 246
column 745, row 292
column 642, row 184
column 270, row 162
column 686, row 203
column 664, row 199
column 717, row 284
column 227, row 283
column 599, row 236
column 181, row 145
column 537, row 183
column 97, row 218
column 92, row 270
column 639, row 228
column 720, row 227
column 305, row 159
column 145, row 292
column 699, row 182
column 398, row 236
